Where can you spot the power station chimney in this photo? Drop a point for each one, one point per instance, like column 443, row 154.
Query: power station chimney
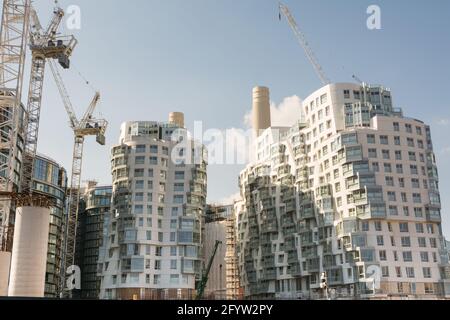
column 261, row 110
column 177, row 118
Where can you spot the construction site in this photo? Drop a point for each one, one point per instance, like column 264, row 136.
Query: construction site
column 27, row 212
column 311, row 221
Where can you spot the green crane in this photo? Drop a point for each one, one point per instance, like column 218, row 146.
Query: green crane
column 202, row 283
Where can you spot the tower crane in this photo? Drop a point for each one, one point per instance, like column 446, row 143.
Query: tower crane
column 204, row 280
column 87, row 126
column 304, row 43
column 13, row 44
column 44, row 46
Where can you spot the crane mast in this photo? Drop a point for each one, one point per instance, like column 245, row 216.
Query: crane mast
column 87, row 126
column 204, row 281
column 13, row 42
column 304, row 43
column 45, row 46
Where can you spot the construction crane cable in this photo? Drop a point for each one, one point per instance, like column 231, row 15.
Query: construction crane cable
column 86, row 81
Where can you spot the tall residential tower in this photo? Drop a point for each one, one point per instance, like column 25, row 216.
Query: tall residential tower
column 348, row 196
column 159, row 196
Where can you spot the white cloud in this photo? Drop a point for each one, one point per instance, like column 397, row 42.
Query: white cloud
column 443, row 122
column 446, row 151
column 284, row 115
column 230, row 199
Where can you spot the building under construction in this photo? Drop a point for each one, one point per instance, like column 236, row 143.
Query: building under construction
column 223, row 281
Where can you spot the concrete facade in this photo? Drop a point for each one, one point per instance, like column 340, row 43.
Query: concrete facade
column 30, row 246
column 159, row 198
column 352, row 192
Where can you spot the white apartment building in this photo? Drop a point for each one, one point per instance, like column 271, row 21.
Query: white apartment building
column 349, row 195
column 159, row 195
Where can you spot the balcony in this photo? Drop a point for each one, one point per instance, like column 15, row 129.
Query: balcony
column 433, row 217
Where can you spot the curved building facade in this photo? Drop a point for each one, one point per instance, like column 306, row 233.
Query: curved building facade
column 91, row 235
column 154, row 245
column 50, row 178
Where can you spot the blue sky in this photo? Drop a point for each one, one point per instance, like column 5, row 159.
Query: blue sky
column 202, row 57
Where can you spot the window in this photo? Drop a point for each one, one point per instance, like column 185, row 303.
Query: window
column 173, row 264
column 412, row 156
column 149, row 235
column 404, row 197
column 410, row 272
column 139, row 184
column 386, row 155
column 392, row 196
column 385, row 272
column 408, row 128
column 157, row 279
column 417, row 198
column 139, row 197
column 365, row 226
column 323, row 99
column 346, row 94
column 395, row 256
column 153, row 161
column 420, row 144
column 398, row 271
column 398, row 155
column 140, row 149
column 401, row 182
column 160, row 236
column 430, row 228
column 418, row 212
column 378, row 226
column 138, row 209
column 433, row 243
column 372, row 153
column 371, row 138
column 406, row 211
column 375, row 167
column 424, row 256
column 138, row 173
column 407, row 256
column 165, row 151
column 397, row 141
column 410, row 142
column 415, row 183
column 406, row 242
column 179, row 175
column 150, row 173
column 387, row 168
column 414, row 170
column 154, row 149
column 399, row 168
column 393, row 211
column 419, row 228
column 396, row 126
column 422, row 242
column 383, row 255
column 174, row 279
column 139, row 160
column 404, row 227
column 427, row 273
column 380, row 241
column 389, row 181
column 179, row 187
column 384, row 140
column 178, row 199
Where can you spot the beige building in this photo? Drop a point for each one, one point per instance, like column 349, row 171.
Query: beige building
column 349, row 195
